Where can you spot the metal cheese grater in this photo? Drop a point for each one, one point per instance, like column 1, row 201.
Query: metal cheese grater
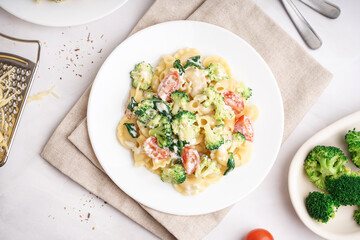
column 18, row 84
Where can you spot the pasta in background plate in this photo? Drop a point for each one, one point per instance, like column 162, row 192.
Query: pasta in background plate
column 188, row 120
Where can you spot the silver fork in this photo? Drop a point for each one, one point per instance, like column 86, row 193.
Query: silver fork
column 307, row 33
column 325, row 8
column 303, row 27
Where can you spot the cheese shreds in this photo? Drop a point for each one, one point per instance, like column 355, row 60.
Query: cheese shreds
column 5, row 88
column 7, row 93
column 41, row 95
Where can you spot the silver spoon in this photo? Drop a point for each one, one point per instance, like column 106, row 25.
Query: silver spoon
column 305, row 30
column 325, row 8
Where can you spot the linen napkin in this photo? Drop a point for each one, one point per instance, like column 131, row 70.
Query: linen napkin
column 300, row 78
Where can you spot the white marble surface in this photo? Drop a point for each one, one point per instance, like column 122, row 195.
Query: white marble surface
column 38, row 202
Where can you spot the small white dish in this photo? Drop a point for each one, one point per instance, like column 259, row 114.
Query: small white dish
column 110, row 93
column 63, row 14
column 342, row 227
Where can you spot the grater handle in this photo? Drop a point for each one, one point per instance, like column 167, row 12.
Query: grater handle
column 26, row 41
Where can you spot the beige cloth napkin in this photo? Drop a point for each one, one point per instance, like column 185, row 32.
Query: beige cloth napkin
column 300, row 78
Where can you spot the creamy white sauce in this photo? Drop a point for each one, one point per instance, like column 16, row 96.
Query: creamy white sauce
column 221, row 154
column 192, row 141
column 161, row 107
column 173, row 155
column 133, row 147
column 198, row 79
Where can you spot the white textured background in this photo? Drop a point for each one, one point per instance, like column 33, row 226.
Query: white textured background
column 38, row 202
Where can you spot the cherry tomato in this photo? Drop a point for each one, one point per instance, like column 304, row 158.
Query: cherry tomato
column 244, row 126
column 234, row 100
column 191, row 160
column 152, row 149
column 169, row 84
column 259, row 234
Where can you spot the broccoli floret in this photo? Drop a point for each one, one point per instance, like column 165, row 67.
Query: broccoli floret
column 237, row 140
column 245, row 91
column 179, row 101
column 162, row 107
column 145, row 110
column 148, row 108
column 194, row 62
column 320, row 207
column 175, row 174
column 155, row 121
column 344, row 189
column 357, row 215
column 211, row 96
column 217, row 72
column 178, row 66
column 213, row 138
column 322, row 162
column 160, row 128
column 207, row 167
column 149, row 114
column 183, row 125
column 150, row 95
column 222, row 111
column 353, row 140
column 143, row 106
column 142, row 74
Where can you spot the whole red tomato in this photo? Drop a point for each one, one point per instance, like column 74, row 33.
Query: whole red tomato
column 259, row 234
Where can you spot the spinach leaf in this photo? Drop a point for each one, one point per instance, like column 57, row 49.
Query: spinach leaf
column 131, row 129
column 178, row 65
column 230, row 164
column 132, row 104
column 194, row 62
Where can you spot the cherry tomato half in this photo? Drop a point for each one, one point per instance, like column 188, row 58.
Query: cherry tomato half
column 244, row 126
column 191, row 160
column 152, row 149
column 259, row 234
column 234, row 100
column 169, row 84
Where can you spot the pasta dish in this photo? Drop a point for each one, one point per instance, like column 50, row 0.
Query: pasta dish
column 188, row 120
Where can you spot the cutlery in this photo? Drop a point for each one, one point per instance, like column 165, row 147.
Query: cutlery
column 325, row 8
column 303, row 27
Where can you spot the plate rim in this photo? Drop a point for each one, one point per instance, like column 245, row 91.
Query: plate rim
column 292, row 179
column 278, row 94
column 58, row 25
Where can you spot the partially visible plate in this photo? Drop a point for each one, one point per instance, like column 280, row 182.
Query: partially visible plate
column 110, row 93
column 64, row 14
column 342, row 227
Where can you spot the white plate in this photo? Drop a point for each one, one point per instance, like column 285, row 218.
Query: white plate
column 67, row 13
column 110, row 93
column 342, row 227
